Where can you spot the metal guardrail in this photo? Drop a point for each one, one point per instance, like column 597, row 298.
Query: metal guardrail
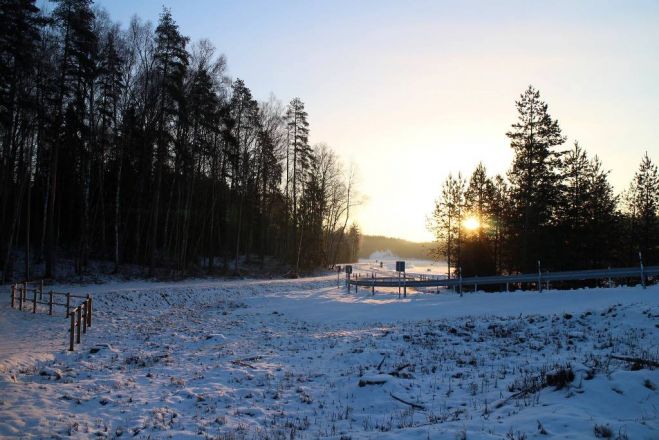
column 534, row 278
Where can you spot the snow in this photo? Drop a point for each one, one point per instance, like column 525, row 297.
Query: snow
column 412, row 265
column 302, row 358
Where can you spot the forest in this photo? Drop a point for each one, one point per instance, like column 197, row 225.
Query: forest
column 134, row 146
column 555, row 208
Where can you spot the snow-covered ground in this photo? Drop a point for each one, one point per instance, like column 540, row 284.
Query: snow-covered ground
column 412, row 266
column 292, row 359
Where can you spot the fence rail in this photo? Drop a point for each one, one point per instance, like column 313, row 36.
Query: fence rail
column 532, row 278
column 80, row 315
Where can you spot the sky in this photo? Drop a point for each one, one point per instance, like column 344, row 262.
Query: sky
column 410, row 91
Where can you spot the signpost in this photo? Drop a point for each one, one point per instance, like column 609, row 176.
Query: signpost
column 400, row 267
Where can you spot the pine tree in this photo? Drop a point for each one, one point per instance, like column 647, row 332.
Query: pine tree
column 19, row 39
column 604, row 229
column 172, row 61
column 573, row 216
column 533, row 179
column 498, row 219
column 644, row 206
column 479, row 196
column 298, row 158
column 446, row 223
column 70, row 127
column 586, row 212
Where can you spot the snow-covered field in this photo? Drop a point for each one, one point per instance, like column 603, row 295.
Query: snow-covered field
column 413, row 266
column 293, row 359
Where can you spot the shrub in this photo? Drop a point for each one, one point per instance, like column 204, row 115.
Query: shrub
column 559, row 377
column 602, row 431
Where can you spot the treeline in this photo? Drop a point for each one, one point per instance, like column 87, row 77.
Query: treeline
column 398, row 247
column 134, row 145
column 555, row 207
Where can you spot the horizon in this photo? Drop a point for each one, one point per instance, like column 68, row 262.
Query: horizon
column 397, row 90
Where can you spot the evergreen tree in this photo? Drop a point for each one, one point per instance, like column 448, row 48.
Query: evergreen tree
column 643, row 208
column 573, row 216
column 586, row 212
column 479, row 197
column 498, row 220
column 71, row 127
column 446, row 223
column 171, row 60
column 533, row 180
column 298, row 158
column 604, row 229
column 20, row 21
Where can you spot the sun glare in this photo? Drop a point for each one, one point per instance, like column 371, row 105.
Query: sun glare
column 471, row 223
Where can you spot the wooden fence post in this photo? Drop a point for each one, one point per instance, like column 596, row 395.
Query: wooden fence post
column 13, row 295
column 89, row 310
column 50, row 303
column 78, row 311
column 72, row 334
column 84, row 317
column 68, row 302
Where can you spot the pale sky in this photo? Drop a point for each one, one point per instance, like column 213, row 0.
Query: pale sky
column 412, row 90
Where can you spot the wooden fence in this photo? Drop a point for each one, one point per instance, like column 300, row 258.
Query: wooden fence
column 28, row 296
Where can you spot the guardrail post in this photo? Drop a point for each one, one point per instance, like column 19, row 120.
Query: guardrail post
column 13, row 295
column 373, row 284
column 89, row 310
column 610, row 283
column 539, row 278
column 507, row 288
column 41, row 290
column 21, row 298
column 72, row 331
column 78, row 312
column 34, row 302
column 50, row 303
column 68, row 303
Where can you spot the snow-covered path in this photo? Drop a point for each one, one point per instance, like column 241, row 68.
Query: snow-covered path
column 285, row 359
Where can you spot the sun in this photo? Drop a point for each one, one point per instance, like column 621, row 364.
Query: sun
column 471, row 223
